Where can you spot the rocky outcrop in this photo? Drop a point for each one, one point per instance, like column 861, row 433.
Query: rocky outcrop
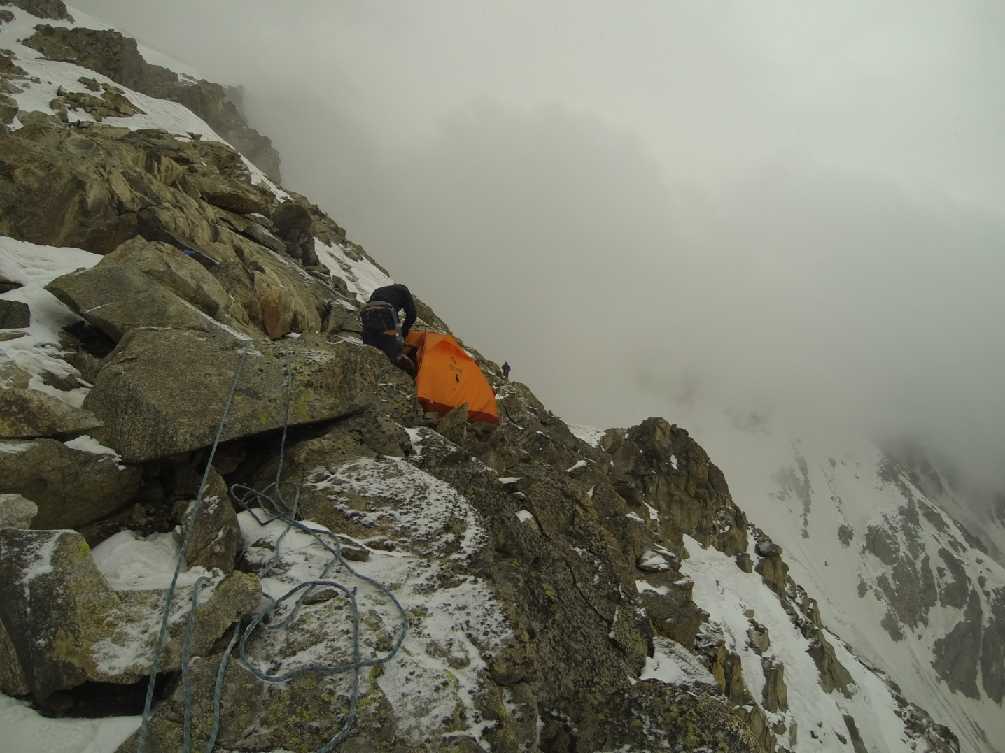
column 89, row 187
column 27, row 414
column 660, row 466
column 68, row 627
column 771, row 566
column 776, row 695
column 70, row 487
column 98, row 188
column 833, row 675
column 111, row 102
column 118, row 57
column 162, row 392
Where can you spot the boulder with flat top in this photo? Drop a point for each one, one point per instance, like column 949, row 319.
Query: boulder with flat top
column 163, row 392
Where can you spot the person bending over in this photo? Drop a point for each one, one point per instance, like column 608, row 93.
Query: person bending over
column 383, row 328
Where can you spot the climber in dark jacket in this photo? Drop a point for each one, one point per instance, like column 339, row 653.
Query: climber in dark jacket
column 382, row 327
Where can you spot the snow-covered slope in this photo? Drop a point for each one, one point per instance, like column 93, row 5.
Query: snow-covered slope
column 897, row 577
column 739, row 603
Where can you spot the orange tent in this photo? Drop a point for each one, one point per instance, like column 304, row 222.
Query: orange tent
column 448, row 377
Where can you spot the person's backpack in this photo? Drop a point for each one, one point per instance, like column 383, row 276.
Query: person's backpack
column 379, row 316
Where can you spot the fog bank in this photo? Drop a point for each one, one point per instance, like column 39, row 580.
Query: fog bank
column 763, row 207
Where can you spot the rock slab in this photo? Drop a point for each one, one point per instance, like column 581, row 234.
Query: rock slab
column 163, row 393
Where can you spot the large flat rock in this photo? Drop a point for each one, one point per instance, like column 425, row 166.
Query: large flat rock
column 162, row 392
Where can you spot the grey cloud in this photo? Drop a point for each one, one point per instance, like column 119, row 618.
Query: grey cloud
column 767, row 206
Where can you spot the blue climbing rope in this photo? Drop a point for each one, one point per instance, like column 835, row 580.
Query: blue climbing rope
column 272, row 503
column 180, row 562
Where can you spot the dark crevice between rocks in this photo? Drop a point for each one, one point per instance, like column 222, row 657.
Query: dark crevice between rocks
column 249, row 455
column 96, row 700
column 90, row 339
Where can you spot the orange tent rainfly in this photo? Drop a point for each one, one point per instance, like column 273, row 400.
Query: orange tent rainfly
column 448, row 377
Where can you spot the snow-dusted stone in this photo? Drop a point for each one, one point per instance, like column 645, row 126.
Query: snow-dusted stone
column 67, row 626
column 53, row 602
column 215, row 535
column 27, row 414
column 16, row 511
column 71, row 487
column 162, row 392
column 14, row 315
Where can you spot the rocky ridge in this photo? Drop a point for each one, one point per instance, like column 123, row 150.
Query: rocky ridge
column 119, row 58
column 561, row 593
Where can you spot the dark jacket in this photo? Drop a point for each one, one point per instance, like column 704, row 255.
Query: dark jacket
column 399, row 297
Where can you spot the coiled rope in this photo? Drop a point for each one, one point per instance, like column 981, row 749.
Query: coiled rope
column 272, row 503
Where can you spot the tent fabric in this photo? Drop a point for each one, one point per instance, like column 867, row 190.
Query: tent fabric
column 448, row 377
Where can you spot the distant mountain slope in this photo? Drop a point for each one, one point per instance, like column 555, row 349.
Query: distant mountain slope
column 875, row 535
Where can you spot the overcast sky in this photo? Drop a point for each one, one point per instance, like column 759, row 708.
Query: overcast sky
column 774, row 206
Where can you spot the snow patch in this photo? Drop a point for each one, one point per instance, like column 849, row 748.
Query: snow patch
column 86, row 443
column 41, row 557
column 362, row 277
column 27, row 731
column 131, row 562
column 673, row 664
column 39, row 351
column 588, row 434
